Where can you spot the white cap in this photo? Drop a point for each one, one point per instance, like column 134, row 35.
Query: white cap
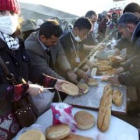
column 39, row 22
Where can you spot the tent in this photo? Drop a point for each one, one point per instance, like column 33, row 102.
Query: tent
column 34, row 11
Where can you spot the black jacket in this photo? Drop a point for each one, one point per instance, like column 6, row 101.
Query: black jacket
column 68, row 42
column 17, row 63
column 131, row 76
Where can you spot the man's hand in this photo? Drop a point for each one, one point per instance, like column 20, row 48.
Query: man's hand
column 82, row 75
column 72, row 77
column 114, row 80
column 119, row 70
column 58, row 84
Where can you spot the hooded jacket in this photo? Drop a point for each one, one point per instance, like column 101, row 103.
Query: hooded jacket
column 131, row 76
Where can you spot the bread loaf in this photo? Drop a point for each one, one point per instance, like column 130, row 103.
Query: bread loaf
column 104, row 113
column 84, row 120
column 104, row 68
column 100, row 63
column 109, row 72
column 57, row 132
column 76, row 137
column 70, row 88
column 117, row 98
column 114, row 59
column 84, row 87
column 32, row 135
column 92, row 82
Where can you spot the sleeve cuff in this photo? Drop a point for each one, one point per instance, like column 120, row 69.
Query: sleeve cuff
column 20, row 90
column 49, row 81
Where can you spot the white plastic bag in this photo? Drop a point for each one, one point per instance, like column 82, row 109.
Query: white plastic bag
column 42, row 102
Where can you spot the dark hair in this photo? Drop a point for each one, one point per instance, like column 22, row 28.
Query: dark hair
column 114, row 14
column 128, row 18
column 90, row 13
column 50, row 28
column 132, row 7
column 83, row 23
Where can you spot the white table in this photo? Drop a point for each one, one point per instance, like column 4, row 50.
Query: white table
column 118, row 130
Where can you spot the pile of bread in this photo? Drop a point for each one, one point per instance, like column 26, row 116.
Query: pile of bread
column 62, row 132
column 115, row 59
column 106, row 65
column 73, row 90
column 56, row 132
column 103, row 66
column 105, row 69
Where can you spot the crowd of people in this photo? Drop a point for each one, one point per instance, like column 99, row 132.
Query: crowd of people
column 48, row 59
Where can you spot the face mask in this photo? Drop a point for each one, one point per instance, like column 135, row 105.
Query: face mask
column 78, row 39
column 9, row 24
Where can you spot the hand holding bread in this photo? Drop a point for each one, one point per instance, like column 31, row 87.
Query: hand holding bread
column 83, row 87
column 70, row 88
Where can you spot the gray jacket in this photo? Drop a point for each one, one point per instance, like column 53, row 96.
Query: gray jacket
column 39, row 58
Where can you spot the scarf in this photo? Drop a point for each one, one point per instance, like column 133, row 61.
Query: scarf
column 12, row 43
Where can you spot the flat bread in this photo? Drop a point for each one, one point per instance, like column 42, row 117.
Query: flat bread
column 104, row 68
column 114, row 59
column 32, row 135
column 100, row 63
column 76, row 137
column 84, row 120
column 92, row 82
column 57, row 132
column 84, row 87
column 117, row 98
column 109, row 72
column 70, row 89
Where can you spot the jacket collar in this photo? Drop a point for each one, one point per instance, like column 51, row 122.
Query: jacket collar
column 2, row 44
column 136, row 33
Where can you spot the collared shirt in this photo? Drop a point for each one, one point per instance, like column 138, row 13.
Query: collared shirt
column 47, row 50
column 43, row 46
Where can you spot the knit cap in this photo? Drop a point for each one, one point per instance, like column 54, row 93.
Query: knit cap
column 10, row 5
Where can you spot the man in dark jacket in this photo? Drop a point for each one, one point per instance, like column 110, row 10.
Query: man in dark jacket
column 123, row 42
column 102, row 26
column 73, row 44
column 129, row 73
column 92, row 37
column 133, row 7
